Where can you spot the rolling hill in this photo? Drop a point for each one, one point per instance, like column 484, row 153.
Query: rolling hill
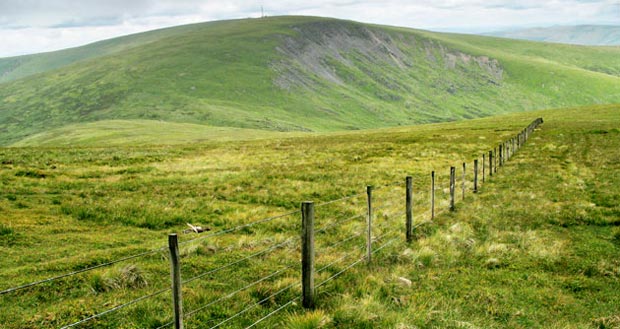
column 292, row 74
column 592, row 35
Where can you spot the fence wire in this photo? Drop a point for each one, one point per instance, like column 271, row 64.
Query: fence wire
column 338, row 223
column 239, row 227
column 264, row 251
column 256, row 304
column 35, row 283
column 339, row 200
column 353, row 264
column 230, row 295
column 273, row 312
column 114, row 309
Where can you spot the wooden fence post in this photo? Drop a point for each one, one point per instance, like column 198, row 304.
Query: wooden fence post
column 369, row 230
column 495, row 159
column 175, row 274
column 432, row 194
column 464, row 181
column 307, row 254
column 475, row 175
column 409, row 209
column 452, row 183
column 501, row 155
column 483, row 165
column 490, row 163
column 514, row 145
column 507, row 143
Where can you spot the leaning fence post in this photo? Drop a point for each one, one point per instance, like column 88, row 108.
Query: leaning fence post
column 369, row 229
column 507, row 143
column 175, row 274
column 463, row 181
column 452, row 183
column 483, row 165
column 307, row 254
column 432, row 194
column 476, row 175
column 514, row 146
column 490, row 163
column 501, row 155
column 495, row 159
column 409, row 209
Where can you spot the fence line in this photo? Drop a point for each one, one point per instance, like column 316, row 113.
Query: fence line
column 507, row 150
column 146, row 253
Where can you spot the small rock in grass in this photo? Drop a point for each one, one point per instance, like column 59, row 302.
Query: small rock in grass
column 404, row 281
column 492, row 263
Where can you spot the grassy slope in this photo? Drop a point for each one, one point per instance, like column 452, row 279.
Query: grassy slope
column 133, row 132
column 535, row 248
column 602, row 35
column 226, row 74
column 13, row 68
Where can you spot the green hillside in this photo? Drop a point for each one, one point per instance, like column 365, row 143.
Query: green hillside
column 132, row 132
column 305, row 74
column 593, row 35
column 12, row 68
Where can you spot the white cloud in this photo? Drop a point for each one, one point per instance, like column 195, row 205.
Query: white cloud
column 28, row 26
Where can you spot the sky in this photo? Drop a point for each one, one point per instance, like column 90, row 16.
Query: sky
column 33, row 26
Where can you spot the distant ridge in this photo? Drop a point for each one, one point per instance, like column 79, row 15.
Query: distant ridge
column 590, row 35
column 289, row 74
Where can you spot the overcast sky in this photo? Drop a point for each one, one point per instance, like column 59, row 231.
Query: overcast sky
column 31, row 26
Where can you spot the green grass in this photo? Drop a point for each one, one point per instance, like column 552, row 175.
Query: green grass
column 537, row 247
column 133, row 132
column 302, row 74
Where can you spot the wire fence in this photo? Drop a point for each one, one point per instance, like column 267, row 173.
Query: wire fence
column 372, row 219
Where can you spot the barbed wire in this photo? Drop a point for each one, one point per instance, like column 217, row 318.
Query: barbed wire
column 339, row 200
column 273, row 312
column 35, row 283
column 354, row 263
column 264, row 251
column 114, row 309
column 324, row 267
column 330, row 226
column 341, row 242
column 239, row 227
column 256, row 304
column 229, row 295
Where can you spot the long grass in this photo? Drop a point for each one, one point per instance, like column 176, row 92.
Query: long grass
column 535, row 247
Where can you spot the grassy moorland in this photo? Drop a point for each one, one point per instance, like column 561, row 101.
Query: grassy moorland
column 299, row 74
column 602, row 35
column 537, row 247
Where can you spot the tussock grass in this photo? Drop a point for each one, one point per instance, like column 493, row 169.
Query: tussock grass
column 534, row 247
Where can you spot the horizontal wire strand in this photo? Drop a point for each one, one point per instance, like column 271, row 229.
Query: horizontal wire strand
column 273, row 312
column 114, row 309
column 236, row 228
column 81, row 271
column 229, row 295
column 256, row 304
column 264, row 251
